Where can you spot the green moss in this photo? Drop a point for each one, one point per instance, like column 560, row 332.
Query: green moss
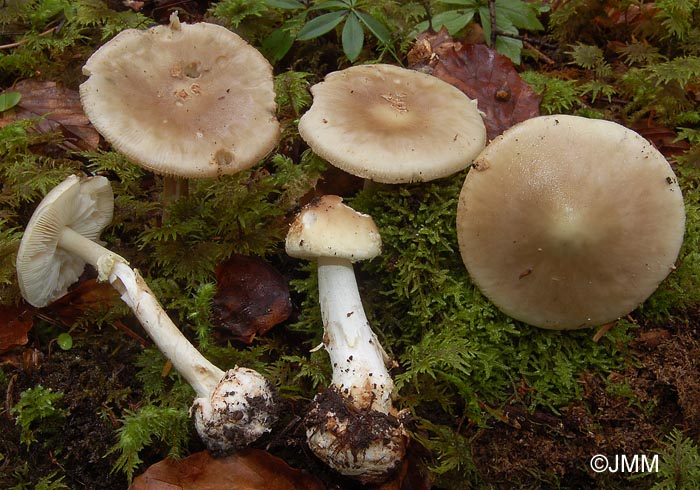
column 679, row 467
column 681, row 290
column 38, row 412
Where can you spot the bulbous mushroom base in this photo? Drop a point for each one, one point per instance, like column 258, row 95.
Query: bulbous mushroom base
column 366, row 445
column 242, row 408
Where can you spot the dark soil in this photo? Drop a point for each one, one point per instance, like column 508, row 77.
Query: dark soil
column 96, row 372
column 658, row 390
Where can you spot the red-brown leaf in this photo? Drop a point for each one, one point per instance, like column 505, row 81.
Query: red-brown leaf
column 482, row 74
column 251, row 469
column 252, row 297
column 88, row 297
column 15, row 322
column 61, row 110
column 664, row 139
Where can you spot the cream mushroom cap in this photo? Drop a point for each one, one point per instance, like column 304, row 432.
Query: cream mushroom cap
column 187, row 100
column 566, row 222
column 328, row 228
column 391, row 124
column 44, row 270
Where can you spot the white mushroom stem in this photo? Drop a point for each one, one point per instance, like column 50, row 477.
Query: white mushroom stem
column 359, row 362
column 353, row 426
column 92, row 253
column 233, row 408
column 199, row 372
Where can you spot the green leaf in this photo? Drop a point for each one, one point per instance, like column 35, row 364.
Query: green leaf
column 333, row 4
column 375, row 27
column 466, row 3
column 519, row 13
column 453, row 20
column 8, row 100
column 65, row 341
column 509, row 47
column 276, row 45
column 284, row 4
column 485, row 21
column 353, row 37
column 320, row 25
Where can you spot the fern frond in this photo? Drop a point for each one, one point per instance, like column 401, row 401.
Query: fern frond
column 558, row 96
column 139, row 429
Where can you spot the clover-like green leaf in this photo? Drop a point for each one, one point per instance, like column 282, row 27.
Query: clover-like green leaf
column 8, row 100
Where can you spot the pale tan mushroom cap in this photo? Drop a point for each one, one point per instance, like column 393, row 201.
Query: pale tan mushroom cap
column 328, row 228
column 392, row 124
column 44, row 271
column 183, row 100
column 566, row 222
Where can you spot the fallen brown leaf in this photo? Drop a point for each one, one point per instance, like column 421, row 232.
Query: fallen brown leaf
column 251, row 469
column 482, row 74
column 61, row 111
column 87, row 297
column 663, row 139
column 252, row 297
column 15, row 323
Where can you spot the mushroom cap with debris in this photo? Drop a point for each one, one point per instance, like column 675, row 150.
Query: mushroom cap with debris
column 328, row 228
column 566, row 222
column 392, row 125
column 185, row 100
column 44, row 270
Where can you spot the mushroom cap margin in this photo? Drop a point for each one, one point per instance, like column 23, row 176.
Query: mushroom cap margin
column 392, row 125
column 566, row 222
column 188, row 100
column 328, row 228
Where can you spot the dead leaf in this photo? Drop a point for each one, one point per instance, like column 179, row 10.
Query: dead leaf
column 632, row 16
column 251, row 469
column 482, row 74
column 663, row 139
column 61, row 111
column 252, row 297
column 15, row 323
column 88, row 297
column 413, row 474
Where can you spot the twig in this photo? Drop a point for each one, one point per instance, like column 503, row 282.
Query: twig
column 526, row 39
column 602, row 331
column 544, row 57
column 23, row 41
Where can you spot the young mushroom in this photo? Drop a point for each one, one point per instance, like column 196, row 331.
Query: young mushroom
column 566, row 222
column 232, row 408
column 392, row 125
column 182, row 100
column 353, row 426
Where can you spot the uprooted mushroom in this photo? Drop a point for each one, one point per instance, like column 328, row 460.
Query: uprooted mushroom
column 233, row 408
column 352, row 426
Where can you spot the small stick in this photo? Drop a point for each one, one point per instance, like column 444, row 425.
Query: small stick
column 24, row 41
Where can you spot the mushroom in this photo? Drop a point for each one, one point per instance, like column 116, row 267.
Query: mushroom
column 566, row 222
column 232, row 408
column 353, row 426
column 392, row 125
column 182, row 100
